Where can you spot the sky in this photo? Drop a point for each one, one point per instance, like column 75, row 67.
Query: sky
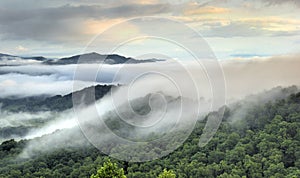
column 232, row 28
column 256, row 41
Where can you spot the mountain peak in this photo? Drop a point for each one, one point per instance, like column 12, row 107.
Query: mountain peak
column 93, row 57
column 86, row 58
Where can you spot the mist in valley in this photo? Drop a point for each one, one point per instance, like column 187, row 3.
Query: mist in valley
column 149, row 105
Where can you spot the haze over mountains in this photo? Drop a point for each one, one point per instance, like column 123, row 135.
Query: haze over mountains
column 87, row 58
column 149, row 89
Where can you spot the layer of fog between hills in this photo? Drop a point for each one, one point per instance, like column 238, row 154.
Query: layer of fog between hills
column 242, row 78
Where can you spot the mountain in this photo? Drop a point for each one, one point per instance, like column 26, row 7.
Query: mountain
column 87, row 58
column 262, row 143
column 97, row 58
column 5, row 55
column 12, row 60
column 38, row 58
column 54, row 103
column 12, row 57
column 42, row 104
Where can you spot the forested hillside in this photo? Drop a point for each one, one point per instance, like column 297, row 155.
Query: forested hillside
column 54, row 103
column 265, row 142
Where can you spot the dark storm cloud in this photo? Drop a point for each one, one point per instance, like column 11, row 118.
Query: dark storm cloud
column 81, row 11
column 65, row 22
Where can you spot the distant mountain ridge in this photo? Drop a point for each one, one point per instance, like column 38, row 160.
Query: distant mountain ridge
column 8, row 56
column 98, row 58
column 2, row 55
column 53, row 103
column 86, row 58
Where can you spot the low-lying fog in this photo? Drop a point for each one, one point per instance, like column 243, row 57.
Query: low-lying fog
column 242, row 77
column 167, row 79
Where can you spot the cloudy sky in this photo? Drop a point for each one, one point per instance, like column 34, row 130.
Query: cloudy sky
column 232, row 28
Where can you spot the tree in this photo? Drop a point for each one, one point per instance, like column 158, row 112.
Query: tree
column 109, row 170
column 167, row 174
column 8, row 145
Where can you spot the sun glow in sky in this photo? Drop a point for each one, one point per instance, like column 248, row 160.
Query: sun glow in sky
column 233, row 28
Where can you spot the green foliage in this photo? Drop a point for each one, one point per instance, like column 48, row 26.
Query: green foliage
column 265, row 142
column 55, row 103
column 8, row 145
column 167, row 174
column 109, row 170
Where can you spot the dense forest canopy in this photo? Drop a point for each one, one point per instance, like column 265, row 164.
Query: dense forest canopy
column 264, row 142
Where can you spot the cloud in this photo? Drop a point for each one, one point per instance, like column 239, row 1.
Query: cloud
column 82, row 11
column 66, row 23
column 63, row 127
column 17, row 125
column 35, row 80
column 252, row 75
column 20, row 85
column 205, row 10
column 250, row 28
column 23, row 119
column 67, row 26
column 58, row 121
column 21, row 48
column 276, row 2
column 232, row 29
column 243, row 77
column 11, row 60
